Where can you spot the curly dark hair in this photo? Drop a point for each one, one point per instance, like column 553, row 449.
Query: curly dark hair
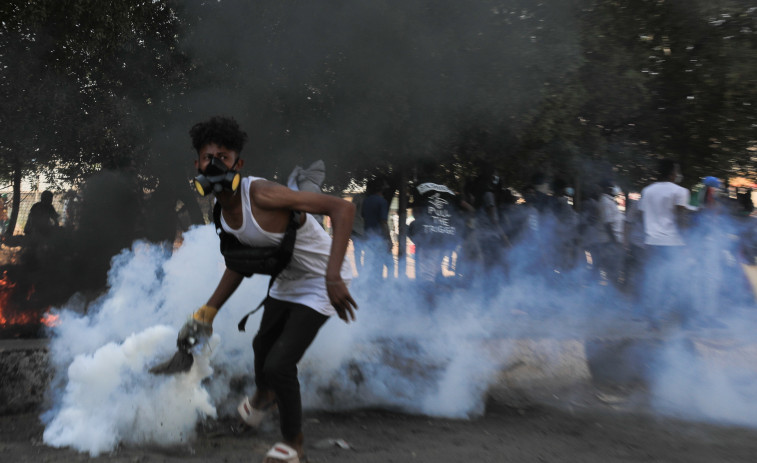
column 223, row 131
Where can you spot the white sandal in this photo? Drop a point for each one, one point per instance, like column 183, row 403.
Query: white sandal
column 283, row 452
column 252, row 416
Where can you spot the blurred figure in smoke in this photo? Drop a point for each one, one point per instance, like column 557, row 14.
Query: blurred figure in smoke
column 744, row 199
column 707, row 196
column 488, row 227
column 633, row 243
column 716, row 284
column 608, row 258
column 567, row 239
column 43, row 218
column 664, row 206
column 311, row 288
column 592, row 229
column 378, row 241
column 542, row 226
column 539, row 195
column 437, row 228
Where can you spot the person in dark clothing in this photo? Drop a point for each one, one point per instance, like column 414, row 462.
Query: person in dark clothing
column 438, row 226
column 43, row 218
column 491, row 235
column 375, row 213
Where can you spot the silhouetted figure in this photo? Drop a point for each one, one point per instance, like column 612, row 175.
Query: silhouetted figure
column 489, row 231
column 378, row 241
column 43, row 218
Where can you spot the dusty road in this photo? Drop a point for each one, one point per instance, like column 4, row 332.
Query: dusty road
column 582, row 429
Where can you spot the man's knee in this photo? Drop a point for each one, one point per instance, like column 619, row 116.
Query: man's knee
column 277, row 372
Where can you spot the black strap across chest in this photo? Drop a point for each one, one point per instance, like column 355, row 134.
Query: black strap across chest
column 249, row 260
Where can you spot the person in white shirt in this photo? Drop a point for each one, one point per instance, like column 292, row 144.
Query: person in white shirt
column 310, row 289
column 664, row 205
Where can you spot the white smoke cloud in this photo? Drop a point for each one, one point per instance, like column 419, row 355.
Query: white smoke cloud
column 111, row 398
column 435, row 354
column 103, row 393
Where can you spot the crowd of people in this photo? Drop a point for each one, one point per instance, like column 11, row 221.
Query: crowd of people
column 605, row 237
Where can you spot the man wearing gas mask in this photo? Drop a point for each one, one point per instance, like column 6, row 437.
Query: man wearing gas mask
column 311, row 287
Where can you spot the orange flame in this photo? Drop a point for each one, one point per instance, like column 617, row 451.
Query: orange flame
column 6, row 289
column 50, row 320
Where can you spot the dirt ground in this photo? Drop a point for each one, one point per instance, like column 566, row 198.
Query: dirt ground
column 589, row 427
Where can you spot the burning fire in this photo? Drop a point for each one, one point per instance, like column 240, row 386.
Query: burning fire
column 13, row 317
column 49, row 319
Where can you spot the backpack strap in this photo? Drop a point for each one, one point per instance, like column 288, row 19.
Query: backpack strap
column 217, row 218
column 243, row 321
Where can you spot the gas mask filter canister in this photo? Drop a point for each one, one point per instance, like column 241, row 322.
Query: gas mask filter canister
column 216, row 178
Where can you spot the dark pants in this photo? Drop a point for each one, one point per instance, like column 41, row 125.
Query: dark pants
column 667, row 294
column 377, row 255
column 285, row 332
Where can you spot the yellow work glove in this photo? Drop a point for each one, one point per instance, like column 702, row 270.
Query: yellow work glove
column 197, row 329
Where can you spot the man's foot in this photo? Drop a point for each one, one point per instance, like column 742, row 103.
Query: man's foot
column 281, row 452
column 253, row 411
column 252, row 416
column 288, row 451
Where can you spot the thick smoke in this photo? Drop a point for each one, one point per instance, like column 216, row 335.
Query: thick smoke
column 343, row 81
column 433, row 354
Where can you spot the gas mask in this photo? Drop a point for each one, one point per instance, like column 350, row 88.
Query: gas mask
column 216, row 178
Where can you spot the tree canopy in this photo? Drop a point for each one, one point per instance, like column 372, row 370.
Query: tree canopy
column 580, row 88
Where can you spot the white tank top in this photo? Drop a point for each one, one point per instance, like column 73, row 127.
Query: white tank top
column 303, row 281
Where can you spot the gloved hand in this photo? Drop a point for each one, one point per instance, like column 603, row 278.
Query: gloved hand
column 198, row 328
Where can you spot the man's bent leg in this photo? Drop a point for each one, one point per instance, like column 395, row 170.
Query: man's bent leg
column 280, row 367
column 275, row 314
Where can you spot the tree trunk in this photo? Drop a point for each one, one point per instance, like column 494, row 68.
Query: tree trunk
column 16, row 204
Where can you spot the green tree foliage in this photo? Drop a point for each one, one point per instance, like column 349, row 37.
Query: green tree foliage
column 581, row 88
column 86, row 86
column 656, row 78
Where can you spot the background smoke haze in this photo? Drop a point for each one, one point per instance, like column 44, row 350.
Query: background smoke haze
column 342, row 81
column 403, row 353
